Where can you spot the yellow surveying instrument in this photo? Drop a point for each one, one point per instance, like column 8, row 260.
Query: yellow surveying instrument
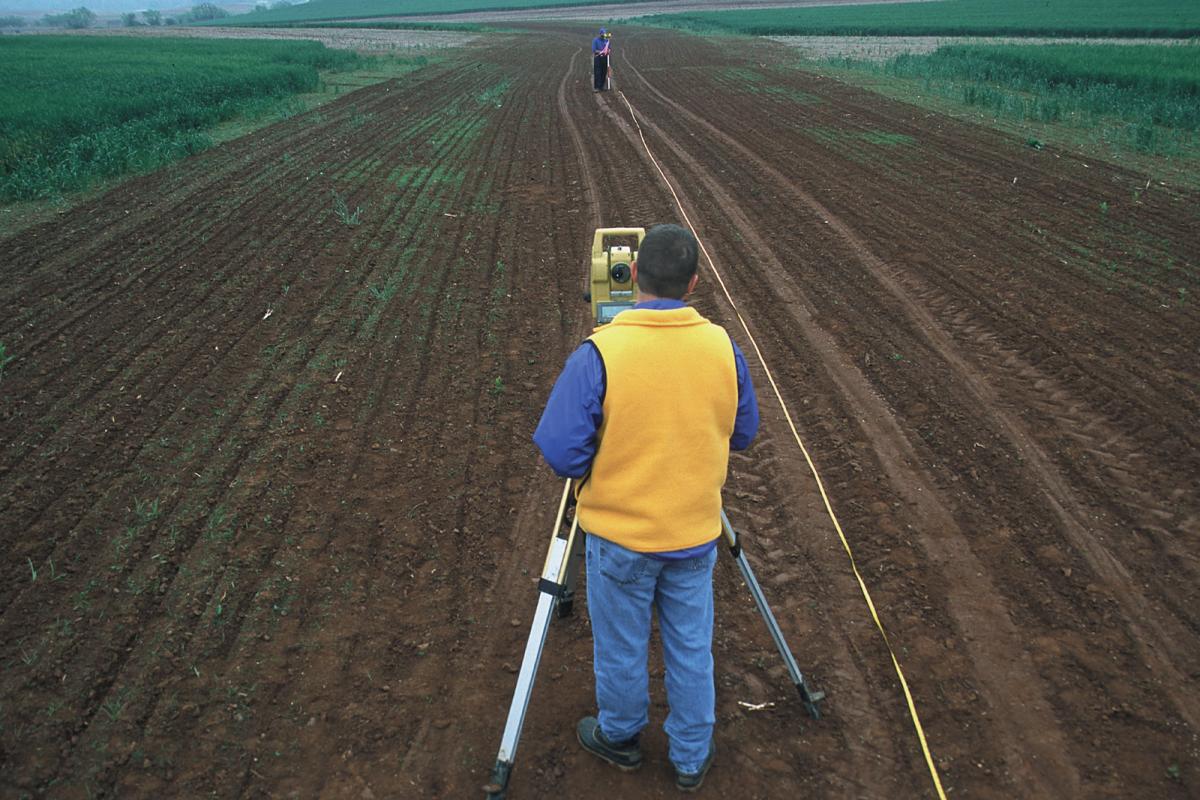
column 610, row 291
column 610, row 282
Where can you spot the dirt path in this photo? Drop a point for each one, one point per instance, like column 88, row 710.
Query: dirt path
column 294, row 553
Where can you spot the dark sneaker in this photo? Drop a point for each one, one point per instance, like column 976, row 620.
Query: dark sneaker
column 690, row 781
column 625, row 756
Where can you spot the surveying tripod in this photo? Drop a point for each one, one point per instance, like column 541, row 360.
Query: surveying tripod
column 556, row 591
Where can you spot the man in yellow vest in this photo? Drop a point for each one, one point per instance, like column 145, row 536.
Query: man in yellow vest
column 645, row 412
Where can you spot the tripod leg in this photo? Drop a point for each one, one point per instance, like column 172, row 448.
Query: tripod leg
column 551, row 587
column 520, row 701
column 807, row 694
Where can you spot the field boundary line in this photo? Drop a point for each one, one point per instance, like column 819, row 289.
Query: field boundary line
column 912, row 708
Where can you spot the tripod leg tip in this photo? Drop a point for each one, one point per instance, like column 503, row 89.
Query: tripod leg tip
column 498, row 787
column 810, row 702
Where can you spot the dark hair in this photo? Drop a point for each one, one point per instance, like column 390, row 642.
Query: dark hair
column 666, row 261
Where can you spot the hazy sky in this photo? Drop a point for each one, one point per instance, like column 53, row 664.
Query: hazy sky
column 39, row 7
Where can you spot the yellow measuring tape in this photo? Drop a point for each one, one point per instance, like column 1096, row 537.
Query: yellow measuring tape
column 912, row 708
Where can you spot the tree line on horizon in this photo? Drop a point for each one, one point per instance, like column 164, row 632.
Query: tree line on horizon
column 83, row 17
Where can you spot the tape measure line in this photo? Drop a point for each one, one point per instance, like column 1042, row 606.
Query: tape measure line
column 912, row 708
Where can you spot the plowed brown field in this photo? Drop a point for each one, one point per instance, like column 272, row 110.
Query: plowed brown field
column 272, row 519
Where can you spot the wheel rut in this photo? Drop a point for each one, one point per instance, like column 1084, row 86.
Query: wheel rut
column 1155, row 632
column 1003, row 666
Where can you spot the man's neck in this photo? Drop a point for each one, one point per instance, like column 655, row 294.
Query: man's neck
column 646, row 297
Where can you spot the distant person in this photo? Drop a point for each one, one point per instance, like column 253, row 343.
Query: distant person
column 601, row 50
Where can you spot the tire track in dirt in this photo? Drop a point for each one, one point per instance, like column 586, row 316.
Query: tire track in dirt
column 629, row 183
column 919, row 193
column 956, row 169
column 1067, row 409
column 1162, row 633
column 1080, row 607
column 993, row 660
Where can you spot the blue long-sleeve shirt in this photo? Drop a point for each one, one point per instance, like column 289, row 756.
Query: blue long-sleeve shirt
column 601, row 46
column 568, row 431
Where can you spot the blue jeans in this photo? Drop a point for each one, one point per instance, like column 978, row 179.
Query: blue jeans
column 622, row 587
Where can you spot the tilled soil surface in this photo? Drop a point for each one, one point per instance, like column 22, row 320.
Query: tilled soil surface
column 273, row 522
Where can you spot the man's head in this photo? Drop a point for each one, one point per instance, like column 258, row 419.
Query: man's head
column 603, row 33
column 666, row 262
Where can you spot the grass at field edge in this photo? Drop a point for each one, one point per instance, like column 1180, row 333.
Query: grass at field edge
column 1178, row 171
column 19, row 216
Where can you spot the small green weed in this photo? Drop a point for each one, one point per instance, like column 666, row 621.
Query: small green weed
column 342, row 211
column 146, row 511
column 112, row 708
column 385, row 292
column 5, row 359
column 82, row 600
column 28, row 658
column 492, row 95
column 497, row 387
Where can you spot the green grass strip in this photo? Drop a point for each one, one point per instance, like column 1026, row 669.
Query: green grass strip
column 1148, row 85
column 75, row 109
column 1119, row 18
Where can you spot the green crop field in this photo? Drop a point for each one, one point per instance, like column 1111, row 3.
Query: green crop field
column 1149, row 86
column 73, row 109
column 1179, row 18
column 1139, row 98
column 359, row 9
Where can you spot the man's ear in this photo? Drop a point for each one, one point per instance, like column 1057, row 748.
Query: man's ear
column 692, row 284
column 633, row 272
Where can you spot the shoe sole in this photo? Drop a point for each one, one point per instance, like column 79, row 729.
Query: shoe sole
column 602, row 757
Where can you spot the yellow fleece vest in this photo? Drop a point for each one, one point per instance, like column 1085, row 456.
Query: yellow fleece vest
column 669, row 408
